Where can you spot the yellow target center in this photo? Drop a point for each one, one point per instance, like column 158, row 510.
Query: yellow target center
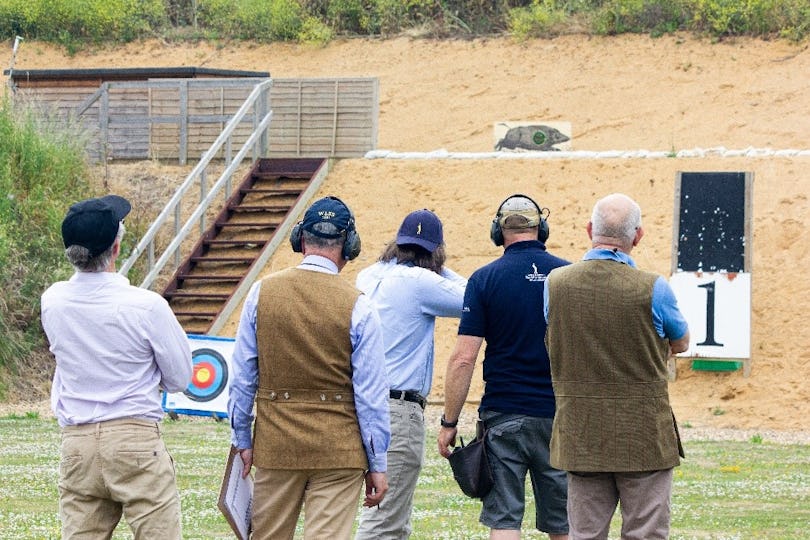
column 203, row 375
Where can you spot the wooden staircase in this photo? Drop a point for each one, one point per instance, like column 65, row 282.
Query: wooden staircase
column 230, row 249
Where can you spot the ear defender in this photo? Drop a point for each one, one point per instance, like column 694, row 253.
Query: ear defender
column 351, row 243
column 295, row 237
column 496, row 231
column 351, row 246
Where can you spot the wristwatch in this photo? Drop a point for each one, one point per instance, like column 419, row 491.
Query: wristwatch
column 447, row 424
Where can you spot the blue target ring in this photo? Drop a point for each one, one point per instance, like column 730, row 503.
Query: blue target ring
column 210, row 376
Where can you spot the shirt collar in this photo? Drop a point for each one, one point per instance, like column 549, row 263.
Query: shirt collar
column 601, row 254
column 317, row 263
column 94, row 277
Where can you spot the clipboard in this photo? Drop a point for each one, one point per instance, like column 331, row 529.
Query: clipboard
column 236, row 496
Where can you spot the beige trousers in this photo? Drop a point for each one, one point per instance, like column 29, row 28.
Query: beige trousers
column 115, row 467
column 329, row 499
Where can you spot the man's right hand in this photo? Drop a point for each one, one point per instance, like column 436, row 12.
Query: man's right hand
column 446, row 439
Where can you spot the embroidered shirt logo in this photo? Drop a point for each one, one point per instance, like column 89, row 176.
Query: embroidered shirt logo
column 535, row 275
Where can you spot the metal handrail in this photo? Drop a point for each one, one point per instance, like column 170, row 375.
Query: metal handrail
column 256, row 139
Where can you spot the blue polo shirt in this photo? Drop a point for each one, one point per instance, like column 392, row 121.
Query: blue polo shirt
column 503, row 303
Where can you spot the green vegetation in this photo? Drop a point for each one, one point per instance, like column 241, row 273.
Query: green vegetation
column 740, row 490
column 75, row 23
column 41, row 167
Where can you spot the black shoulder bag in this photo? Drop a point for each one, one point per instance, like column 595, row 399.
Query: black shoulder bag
column 471, row 466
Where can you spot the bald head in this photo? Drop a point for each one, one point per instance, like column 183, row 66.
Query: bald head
column 616, row 222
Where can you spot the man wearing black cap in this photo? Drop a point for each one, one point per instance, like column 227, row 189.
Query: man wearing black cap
column 309, row 351
column 410, row 287
column 503, row 304
column 115, row 346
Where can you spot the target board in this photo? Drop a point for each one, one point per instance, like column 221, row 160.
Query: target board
column 711, row 265
column 207, row 395
column 532, row 136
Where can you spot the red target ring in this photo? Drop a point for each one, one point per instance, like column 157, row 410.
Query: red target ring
column 204, row 375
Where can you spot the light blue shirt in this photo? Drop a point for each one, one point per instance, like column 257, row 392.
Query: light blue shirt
column 368, row 373
column 408, row 299
column 667, row 318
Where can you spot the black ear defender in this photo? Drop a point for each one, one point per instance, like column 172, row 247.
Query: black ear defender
column 351, row 244
column 496, row 232
column 295, row 237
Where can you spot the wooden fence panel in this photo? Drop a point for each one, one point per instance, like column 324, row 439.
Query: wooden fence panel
column 181, row 118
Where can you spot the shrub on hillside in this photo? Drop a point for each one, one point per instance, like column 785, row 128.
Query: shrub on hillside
column 74, row 21
column 42, row 169
column 259, row 20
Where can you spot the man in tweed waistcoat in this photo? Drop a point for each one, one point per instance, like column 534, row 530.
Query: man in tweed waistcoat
column 611, row 329
column 309, row 350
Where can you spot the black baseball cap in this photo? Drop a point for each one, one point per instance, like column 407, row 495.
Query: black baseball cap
column 93, row 223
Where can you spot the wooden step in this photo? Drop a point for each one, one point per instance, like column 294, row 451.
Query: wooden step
column 235, row 260
column 201, row 295
column 209, row 277
column 195, row 313
column 293, row 192
column 260, row 208
column 249, row 243
column 278, row 175
column 254, row 224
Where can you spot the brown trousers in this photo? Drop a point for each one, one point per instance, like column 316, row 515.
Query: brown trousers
column 645, row 504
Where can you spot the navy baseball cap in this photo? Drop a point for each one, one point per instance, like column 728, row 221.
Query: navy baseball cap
column 93, row 223
column 328, row 210
column 423, row 228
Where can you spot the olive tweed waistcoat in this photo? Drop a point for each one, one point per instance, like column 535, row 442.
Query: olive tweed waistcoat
column 305, row 414
column 609, row 371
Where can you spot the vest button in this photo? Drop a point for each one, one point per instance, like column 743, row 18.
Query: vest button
column 323, row 397
column 286, row 395
column 338, row 397
column 272, row 395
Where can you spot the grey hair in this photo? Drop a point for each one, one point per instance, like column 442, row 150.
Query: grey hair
column 616, row 216
column 330, row 229
column 82, row 261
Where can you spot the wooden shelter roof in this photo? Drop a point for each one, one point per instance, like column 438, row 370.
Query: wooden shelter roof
column 22, row 78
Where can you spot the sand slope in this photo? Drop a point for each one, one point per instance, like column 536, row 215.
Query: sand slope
column 624, row 93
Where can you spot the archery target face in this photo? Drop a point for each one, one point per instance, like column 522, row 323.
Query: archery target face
column 210, row 376
column 207, row 394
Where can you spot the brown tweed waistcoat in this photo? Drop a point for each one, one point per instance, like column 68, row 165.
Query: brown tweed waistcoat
column 609, row 372
column 305, row 414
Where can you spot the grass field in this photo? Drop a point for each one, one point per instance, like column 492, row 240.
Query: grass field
column 724, row 490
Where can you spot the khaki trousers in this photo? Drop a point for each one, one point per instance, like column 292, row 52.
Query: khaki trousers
column 644, row 498
column 114, row 467
column 329, row 499
column 391, row 520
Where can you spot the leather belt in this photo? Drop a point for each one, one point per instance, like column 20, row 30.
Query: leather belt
column 407, row 395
